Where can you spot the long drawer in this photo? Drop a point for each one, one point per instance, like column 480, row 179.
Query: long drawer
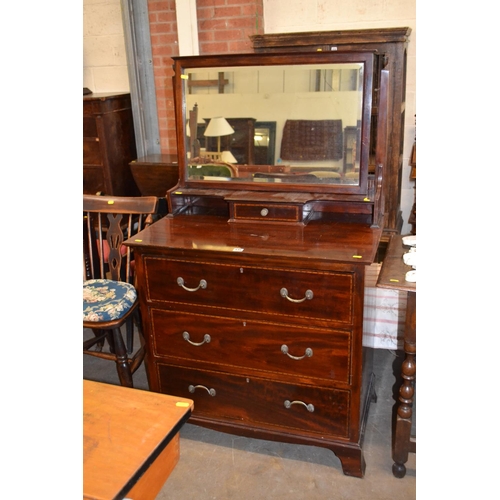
column 258, row 345
column 260, row 402
column 283, row 292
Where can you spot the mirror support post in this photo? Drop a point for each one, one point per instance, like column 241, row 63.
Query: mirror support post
column 381, row 148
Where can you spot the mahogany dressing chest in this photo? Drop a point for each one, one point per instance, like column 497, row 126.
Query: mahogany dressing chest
column 252, row 287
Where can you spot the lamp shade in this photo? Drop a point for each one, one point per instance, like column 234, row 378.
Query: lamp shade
column 228, row 157
column 218, row 126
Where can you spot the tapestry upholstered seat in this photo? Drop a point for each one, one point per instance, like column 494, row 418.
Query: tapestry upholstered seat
column 110, row 299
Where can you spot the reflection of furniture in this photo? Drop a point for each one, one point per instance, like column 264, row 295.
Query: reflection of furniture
column 220, row 83
column 249, row 170
column 241, row 143
column 130, row 440
column 265, row 149
column 351, row 141
column 261, row 326
column 392, row 276
column 108, row 145
column 212, row 156
column 218, row 127
column 392, row 43
column 312, row 140
column 287, row 177
column 211, row 171
column 109, row 296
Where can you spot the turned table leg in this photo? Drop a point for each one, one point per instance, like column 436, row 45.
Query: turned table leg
column 402, row 443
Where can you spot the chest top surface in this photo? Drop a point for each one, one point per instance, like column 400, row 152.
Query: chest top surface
column 212, row 235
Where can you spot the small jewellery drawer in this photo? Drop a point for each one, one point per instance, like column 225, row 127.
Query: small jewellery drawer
column 258, row 345
column 266, row 212
column 259, row 402
column 281, row 292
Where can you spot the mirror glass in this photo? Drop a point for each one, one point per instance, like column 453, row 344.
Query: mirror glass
column 268, row 124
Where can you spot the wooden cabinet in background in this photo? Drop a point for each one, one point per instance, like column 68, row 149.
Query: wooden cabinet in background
column 155, row 174
column 108, row 145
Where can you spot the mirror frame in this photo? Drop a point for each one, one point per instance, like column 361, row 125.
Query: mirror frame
column 184, row 63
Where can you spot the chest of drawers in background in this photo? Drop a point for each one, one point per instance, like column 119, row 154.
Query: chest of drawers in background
column 108, row 145
column 266, row 340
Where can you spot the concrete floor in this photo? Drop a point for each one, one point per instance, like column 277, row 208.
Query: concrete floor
column 215, row 465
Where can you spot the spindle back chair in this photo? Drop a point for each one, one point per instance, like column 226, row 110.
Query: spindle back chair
column 110, row 298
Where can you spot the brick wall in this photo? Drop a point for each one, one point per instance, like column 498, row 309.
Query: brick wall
column 224, row 26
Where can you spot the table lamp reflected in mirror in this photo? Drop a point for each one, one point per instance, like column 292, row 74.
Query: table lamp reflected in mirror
column 228, row 157
column 218, row 127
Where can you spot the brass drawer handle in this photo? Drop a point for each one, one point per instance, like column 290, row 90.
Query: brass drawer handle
column 309, row 406
column 192, row 388
column 202, row 285
column 284, row 293
column 308, row 353
column 206, row 339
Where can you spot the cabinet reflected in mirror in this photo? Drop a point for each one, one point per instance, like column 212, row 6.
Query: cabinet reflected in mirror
column 265, row 143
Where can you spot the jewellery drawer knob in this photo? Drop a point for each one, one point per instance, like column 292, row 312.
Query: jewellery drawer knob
column 308, row 353
column 308, row 296
column 309, row 406
column 202, row 285
column 192, row 388
column 264, row 212
column 206, row 339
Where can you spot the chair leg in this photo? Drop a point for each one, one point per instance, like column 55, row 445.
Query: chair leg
column 122, row 365
column 129, row 325
column 111, row 341
column 99, row 345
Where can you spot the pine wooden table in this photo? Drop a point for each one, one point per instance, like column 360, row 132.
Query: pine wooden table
column 130, row 440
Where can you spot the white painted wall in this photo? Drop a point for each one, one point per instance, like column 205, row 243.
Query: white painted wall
column 104, row 55
column 287, row 16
